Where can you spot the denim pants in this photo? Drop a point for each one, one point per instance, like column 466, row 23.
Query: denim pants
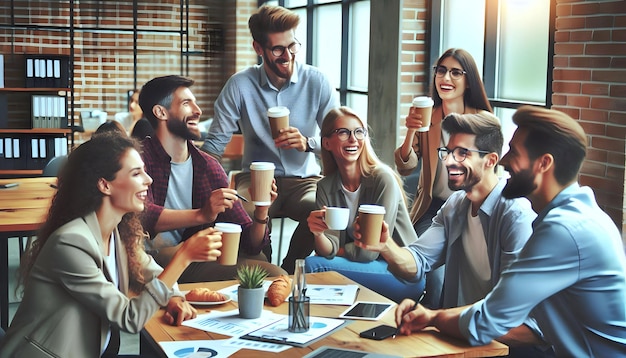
column 373, row 275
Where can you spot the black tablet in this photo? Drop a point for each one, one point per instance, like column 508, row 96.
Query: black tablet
column 371, row 311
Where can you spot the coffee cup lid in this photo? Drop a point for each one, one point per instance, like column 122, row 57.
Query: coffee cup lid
column 372, row 209
column 227, row 227
column 262, row 166
column 423, row 101
column 279, row 111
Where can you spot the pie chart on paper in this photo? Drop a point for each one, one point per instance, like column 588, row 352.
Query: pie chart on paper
column 190, row 352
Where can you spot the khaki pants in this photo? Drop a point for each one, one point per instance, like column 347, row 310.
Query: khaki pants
column 296, row 200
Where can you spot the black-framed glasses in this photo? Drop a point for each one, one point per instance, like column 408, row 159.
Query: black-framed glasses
column 455, row 73
column 344, row 133
column 280, row 50
column 458, row 153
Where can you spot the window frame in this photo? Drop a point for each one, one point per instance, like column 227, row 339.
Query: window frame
column 489, row 69
column 344, row 89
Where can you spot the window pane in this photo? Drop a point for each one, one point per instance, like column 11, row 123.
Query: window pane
column 327, row 41
column 358, row 102
column 523, row 50
column 359, row 46
column 508, row 127
column 301, row 35
column 325, row 1
column 463, row 26
column 295, row 3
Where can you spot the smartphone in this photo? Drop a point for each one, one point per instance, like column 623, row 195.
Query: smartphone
column 379, row 333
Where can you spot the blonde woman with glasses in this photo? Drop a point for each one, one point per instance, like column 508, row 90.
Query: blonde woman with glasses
column 353, row 176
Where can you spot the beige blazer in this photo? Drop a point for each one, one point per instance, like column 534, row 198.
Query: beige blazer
column 424, row 146
column 69, row 301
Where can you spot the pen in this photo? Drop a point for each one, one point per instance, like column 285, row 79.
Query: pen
column 241, row 197
column 412, row 309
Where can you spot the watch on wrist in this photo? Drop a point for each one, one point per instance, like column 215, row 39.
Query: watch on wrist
column 310, row 144
column 263, row 221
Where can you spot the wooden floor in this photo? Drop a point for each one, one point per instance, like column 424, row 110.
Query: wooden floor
column 130, row 342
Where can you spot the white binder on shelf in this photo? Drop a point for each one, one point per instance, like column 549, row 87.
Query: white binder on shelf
column 42, row 148
column 8, row 148
column 34, row 148
column 16, row 148
column 1, row 71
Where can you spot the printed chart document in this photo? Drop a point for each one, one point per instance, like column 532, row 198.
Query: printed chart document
column 197, row 349
column 277, row 332
column 229, row 323
column 332, row 294
column 344, row 295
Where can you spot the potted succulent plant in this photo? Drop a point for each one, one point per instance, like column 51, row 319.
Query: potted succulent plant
column 250, row 293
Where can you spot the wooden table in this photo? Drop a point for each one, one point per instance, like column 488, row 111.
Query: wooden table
column 429, row 343
column 22, row 211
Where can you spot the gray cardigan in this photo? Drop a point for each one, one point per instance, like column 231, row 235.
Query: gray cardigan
column 380, row 188
column 69, row 301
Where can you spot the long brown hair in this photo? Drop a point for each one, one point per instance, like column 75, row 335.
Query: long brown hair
column 78, row 195
column 474, row 95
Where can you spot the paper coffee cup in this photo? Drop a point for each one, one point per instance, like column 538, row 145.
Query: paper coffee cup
column 279, row 119
column 231, row 234
column 261, row 176
column 371, row 221
column 424, row 106
column 337, row 218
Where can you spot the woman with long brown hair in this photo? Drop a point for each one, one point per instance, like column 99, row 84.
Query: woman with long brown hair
column 86, row 275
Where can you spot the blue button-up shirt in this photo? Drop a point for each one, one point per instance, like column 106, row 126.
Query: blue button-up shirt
column 570, row 276
column 245, row 99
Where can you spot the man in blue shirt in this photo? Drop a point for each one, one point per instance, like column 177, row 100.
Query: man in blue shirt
column 243, row 103
column 570, row 275
column 477, row 233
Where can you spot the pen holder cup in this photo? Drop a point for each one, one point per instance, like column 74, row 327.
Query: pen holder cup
column 299, row 314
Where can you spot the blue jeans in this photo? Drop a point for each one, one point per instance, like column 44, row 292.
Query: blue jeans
column 373, row 275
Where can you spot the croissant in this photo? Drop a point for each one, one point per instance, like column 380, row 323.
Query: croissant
column 203, row 294
column 279, row 290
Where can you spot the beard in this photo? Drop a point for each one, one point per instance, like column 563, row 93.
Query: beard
column 471, row 179
column 179, row 128
column 519, row 185
column 284, row 73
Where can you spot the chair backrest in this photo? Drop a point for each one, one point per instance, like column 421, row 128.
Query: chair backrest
column 234, row 148
column 53, row 167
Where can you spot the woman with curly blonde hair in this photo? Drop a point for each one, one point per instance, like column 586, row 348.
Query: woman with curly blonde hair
column 86, row 276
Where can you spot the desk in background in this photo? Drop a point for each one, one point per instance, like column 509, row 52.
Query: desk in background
column 429, row 343
column 23, row 209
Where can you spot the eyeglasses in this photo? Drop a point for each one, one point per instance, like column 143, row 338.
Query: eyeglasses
column 280, row 50
column 455, row 73
column 344, row 133
column 459, row 153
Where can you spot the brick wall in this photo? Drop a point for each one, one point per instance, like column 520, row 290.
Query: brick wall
column 104, row 58
column 590, row 85
column 414, row 79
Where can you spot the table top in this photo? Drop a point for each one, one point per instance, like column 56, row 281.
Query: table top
column 421, row 344
column 25, row 206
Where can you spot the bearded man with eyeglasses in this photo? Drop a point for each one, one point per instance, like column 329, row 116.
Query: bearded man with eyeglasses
column 243, row 103
column 477, row 233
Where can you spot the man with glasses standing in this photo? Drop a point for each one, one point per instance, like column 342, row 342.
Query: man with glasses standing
column 279, row 81
column 477, row 233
